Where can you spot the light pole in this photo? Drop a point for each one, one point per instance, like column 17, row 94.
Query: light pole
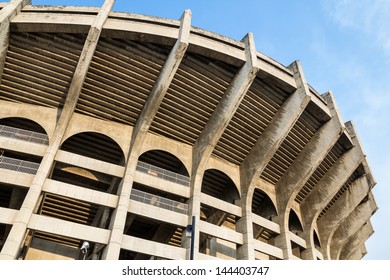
column 190, row 233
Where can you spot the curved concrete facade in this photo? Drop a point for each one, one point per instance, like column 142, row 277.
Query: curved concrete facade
column 120, row 130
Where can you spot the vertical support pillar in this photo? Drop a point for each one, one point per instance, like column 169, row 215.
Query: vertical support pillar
column 217, row 124
column 140, row 131
column 14, row 242
column 264, row 149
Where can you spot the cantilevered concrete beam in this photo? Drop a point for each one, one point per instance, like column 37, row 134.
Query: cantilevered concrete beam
column 327, row 188
column 277, row 130
column 227, row 106
column 332, row 219
column 305, row 165
column 336, row 214
column 162, row 83
column 217, row 124
column 351, row 225
column 356, row 241
column 263, row 151
column 359, row 253
column 310, row 157
column 13, row 244
column 6, row 14
column 140, row 131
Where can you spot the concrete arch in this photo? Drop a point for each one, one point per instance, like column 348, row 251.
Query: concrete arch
column 263, row 205
column 23, row 123
column 218, row 184
column 117, row 132
column 181, row 151
column 157, row 156
column 294, row 223
column 44, row 117
column 88, row 143
column 233, row 171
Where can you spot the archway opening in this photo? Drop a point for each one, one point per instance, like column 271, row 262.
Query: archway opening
column 95, row 145
column 294, row 224
column 164, row 160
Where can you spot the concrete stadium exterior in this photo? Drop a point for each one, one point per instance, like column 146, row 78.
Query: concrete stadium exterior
column 152, row 139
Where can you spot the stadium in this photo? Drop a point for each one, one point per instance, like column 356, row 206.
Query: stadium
column 124, row 136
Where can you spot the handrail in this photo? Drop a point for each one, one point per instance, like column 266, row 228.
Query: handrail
column 22, row 134
column 159, row 201
column 18, row 165
column 162, row 173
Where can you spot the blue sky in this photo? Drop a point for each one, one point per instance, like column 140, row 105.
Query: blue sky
column 343, row 45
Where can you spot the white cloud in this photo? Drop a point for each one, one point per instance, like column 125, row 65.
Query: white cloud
column 371, row 17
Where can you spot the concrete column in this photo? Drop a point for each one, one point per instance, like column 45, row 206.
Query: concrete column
column 277, row 130
column 326, row 189
column 6, row 14
column 351, row 225
column 356, row 241
column 227, row 106
column 303, row 167
column 359, row 253
column 328, row 224
column 263, row 151
column 14, row 242
column 217, row 124
column 140, row 131
column 244, row 225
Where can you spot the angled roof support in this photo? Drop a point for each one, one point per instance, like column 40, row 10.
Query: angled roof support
column 351, row 225
column 11, row 247
column 140, row 131
column 227, row 106
column 356, row 241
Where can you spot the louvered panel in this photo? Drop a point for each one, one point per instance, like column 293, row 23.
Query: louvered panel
column 201, row 84
column 355, row 175
column 334, row 154
column 58, row 238
column 192, row 102
column 68, row 209
column 176, row 118
column 119, row 80
column 39, row 67
column 296, row 140
column 248, row 123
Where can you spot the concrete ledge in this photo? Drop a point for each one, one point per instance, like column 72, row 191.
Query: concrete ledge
column 220, row 204
column 80, row 193
column 268, row 249
column 161, row 184
column 318, row 254
column 89, row 163
column 7, row 215
column 65, row 228
column 22, row 146
column 265, row 223
column 157, row 213
column 148, row 247
column 298, row 240
column 16, row 178
column 221, row 232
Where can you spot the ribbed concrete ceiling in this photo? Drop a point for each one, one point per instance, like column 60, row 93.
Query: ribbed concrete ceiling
column 39, row 67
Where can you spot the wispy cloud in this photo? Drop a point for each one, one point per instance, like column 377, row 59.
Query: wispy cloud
column 371, row 17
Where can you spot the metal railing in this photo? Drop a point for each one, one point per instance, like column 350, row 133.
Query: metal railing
column 25, row 135
column 159, row 201
column 163, row 174
column 18, row 165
